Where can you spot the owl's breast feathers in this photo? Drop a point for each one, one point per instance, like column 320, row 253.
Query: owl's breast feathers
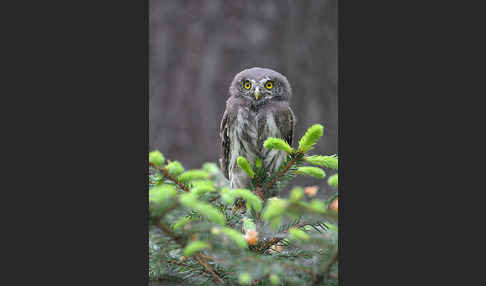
column 243, row 131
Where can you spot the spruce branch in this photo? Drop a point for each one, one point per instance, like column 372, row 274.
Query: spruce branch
column 269, row 243
column 179, row 240
column 166, row 174
column 169, row 233
column 265, row 246
column 258, row 192
column 178, row 263
column 275, row 179
column 201, row 260
column 208, row 268
column 201, row 217
column 211, row 258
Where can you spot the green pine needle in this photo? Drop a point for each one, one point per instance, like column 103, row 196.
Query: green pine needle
column 245, row 166
column 211, row 168
column 273, row 212
column 156, row 158
column 237, row 237
column 258, row 163
column 194, row 247
column 182, row 222
column 296, row 194
column 244, row 278
column 251, row 199
column 190, row 201
column 277, row 143
column 317, row 206
column 325, row 161
column 175, row 168
column 298, row 234
column 274, row 279
column 201, row 189
column 193, row 175
column 227, row 196
column 248, row 224
column 310, row 138
column 160, row 194
column 333, row 181
column 311, row 171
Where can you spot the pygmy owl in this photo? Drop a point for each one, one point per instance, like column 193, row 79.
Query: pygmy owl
column 258, row 108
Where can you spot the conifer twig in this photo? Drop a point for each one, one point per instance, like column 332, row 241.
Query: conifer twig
column 269, row 244
column 281, row 173
column 197, row 257
column 258, row 191
column 170, row 177
column 206, row 265
column 172, row 235
column 276, row 240
column 211, row 258
column 178, row 263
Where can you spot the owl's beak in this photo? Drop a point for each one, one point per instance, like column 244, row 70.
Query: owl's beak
column 257, row 93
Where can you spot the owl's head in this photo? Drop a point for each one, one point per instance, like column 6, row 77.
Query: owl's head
column 260, row 85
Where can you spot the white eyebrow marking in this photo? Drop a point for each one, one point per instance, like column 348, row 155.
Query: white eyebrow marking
column 265, row 79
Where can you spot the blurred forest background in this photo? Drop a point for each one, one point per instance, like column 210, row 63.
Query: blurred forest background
column 197, row 47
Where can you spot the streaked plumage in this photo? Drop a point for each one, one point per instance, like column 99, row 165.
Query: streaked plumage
column 251, row 116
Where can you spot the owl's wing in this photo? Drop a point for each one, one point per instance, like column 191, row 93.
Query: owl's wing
column 286, row 123
column 225, row 142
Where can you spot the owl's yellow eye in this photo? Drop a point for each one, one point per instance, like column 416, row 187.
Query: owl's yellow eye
column 247, row 85
column 269, row 85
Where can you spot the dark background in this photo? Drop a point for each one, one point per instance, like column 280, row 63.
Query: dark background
column 197, row 47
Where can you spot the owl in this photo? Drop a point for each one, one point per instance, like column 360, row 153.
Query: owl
column 258, row 108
